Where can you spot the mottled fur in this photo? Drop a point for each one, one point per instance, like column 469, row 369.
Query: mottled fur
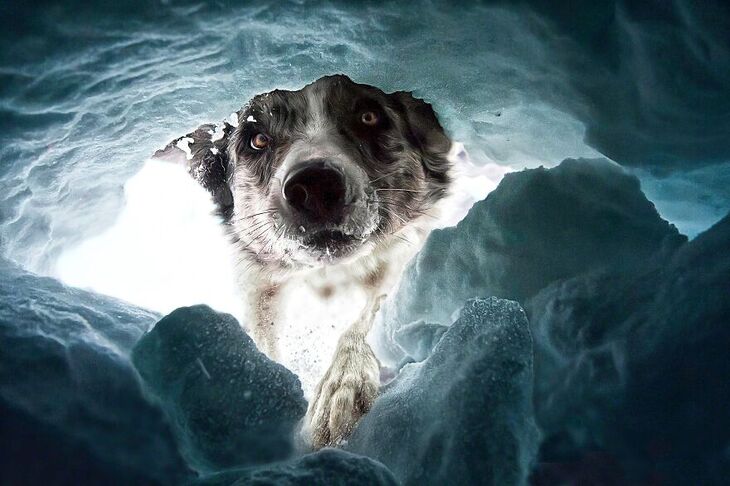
column 397, row 171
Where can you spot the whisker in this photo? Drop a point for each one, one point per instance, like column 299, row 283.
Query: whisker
column 408, row 208
column 256, row 226
column 400, row 190
column 279, row 233
column 404, row 239
column 259, row 235
column 393, row 213
column 267, row 211
column 385, row 175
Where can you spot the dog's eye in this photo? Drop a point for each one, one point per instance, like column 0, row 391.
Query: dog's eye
column 259, row 141
column 369, row 118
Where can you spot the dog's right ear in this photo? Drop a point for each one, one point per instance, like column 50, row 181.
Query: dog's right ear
column 204, row 153
column 426, row 134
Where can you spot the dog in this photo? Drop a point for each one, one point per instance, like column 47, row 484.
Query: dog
column 337, row 175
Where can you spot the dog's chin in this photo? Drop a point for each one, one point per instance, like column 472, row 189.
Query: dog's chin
column 328, row 247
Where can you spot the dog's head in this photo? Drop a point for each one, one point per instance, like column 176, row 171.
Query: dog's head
column 325, row 173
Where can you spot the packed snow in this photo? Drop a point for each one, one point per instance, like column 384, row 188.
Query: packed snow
column 616, row 371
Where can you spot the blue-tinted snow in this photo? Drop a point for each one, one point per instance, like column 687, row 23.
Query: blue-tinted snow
column 465, row 414
column 231, row 405
column 72, row 407
column 630, row 360
column 89, row 91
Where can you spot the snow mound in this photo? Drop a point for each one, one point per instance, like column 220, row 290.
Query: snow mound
column 328, row 467
column 71, row 405
column 231, row 405
column 464, row 415
column 537, row 227
column 632, row 370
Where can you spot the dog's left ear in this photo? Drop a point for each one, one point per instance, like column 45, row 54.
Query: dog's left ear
column 425, row 133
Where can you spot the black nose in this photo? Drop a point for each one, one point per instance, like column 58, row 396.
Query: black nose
column 317, row 190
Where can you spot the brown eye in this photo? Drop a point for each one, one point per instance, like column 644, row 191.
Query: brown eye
column 259, row 141
column 369, row 118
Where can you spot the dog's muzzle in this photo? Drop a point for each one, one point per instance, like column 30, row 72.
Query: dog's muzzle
column 328, row 211
column 316, row 191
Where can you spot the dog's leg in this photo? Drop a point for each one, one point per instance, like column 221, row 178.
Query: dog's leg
column 264, row 302
column 261, row 300
column 350, row 386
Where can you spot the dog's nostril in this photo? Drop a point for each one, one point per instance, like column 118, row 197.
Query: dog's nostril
column 297, row 194
column 317, row 190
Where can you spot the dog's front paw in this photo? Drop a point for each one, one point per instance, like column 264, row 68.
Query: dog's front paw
column 346, row 393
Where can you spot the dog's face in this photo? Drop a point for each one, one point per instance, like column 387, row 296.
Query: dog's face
column 324, row 174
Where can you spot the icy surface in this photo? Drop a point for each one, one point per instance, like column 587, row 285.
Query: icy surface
column 40, row 305
column 418, row 339
column 538, row 226
column 70, row 403
column 632, row 369
column 464, row 415
column 329, row 467
column 230, row 404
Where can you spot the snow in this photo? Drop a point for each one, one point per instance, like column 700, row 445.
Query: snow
column 629, row 320
column 539, row 226
column 69, row 397
column 628, row 358
column 201, row 364
column 218, row 133
column 328, row 466
column 536, row 89
column 184, row 145
column 624, row 343
column 464, row 415
column 167, row 232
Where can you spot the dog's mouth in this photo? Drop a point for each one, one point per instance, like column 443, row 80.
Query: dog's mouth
column 331, row 244
column 316, row 243
column 332, row 239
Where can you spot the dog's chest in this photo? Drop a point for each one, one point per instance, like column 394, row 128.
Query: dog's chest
column 316, row 310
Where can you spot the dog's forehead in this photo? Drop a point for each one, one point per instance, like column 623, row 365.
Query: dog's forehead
column 275, row 103
column 336, row 86
column 339, row 91
column 327, row 94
